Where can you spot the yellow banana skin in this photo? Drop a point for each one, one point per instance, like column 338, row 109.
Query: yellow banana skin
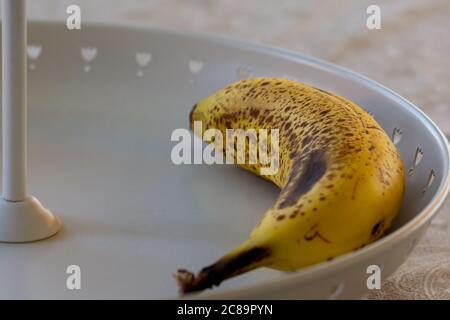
column 341, row 177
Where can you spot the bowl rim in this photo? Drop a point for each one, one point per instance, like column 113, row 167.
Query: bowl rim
column 340, row 262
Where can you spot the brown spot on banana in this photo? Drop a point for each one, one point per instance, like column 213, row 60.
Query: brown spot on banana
column 316, row 234
column 304, row 175
column 191, row 119
column 377, row 228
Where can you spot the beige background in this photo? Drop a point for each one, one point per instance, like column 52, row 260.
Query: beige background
column 410, row 54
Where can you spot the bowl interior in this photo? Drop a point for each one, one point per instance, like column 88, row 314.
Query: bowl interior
column 103, row 103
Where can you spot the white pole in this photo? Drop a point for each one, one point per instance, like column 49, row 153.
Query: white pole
column 22, row 217
column 14, row 41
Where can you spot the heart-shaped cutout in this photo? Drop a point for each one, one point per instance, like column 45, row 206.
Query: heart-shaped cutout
column 195, row 66
column 418, row 156
column 397, row 136
column 34, row 51
column 243, row 73
column 88, row 53
column 431, row 178
column 143, row 58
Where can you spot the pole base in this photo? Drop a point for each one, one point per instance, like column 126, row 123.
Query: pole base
column 26, row 221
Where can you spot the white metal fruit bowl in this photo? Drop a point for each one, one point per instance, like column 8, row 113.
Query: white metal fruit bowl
column 103, row 103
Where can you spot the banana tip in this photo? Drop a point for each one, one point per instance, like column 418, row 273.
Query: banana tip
column 228, row 266
column 189, row 282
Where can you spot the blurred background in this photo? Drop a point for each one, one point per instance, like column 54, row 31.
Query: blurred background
column 410, row 55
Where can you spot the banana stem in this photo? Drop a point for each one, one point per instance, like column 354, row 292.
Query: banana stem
column 233, row 264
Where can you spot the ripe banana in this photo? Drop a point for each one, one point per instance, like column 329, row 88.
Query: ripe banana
column 341, row 177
